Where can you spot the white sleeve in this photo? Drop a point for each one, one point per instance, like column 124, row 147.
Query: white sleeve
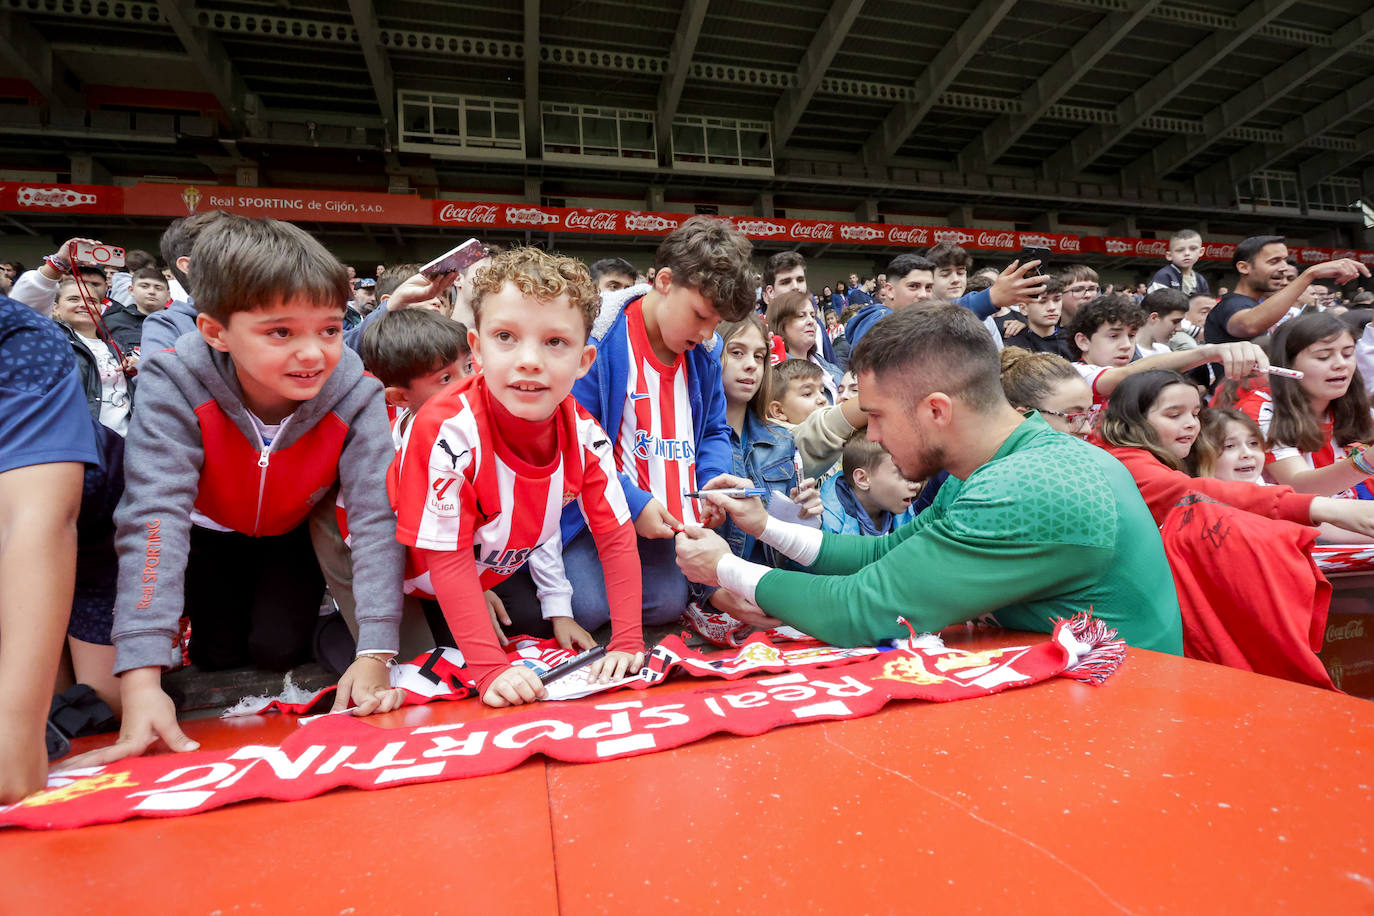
column 36, row 291
column 550, row 580
column 740, row 576
column 121, row 287
column 992, row 329
column 800, row 543
column 1364, row 357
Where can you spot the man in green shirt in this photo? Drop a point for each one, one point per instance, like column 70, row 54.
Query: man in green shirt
column 1032, row 525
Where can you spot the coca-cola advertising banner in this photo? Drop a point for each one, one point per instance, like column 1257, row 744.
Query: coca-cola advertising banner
column 148, row 199
column 173, row 200
column 23, row 196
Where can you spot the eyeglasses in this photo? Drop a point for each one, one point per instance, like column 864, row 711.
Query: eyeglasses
column 1084, row 289
column 1079, row 420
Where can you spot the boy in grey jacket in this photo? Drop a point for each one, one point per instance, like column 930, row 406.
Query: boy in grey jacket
column 242, row 430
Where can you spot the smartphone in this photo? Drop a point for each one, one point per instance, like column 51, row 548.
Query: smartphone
column 1035, row 254
column 99, row 255
column 457, row 260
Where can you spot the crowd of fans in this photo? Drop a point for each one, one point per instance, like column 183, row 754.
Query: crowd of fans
column 202, row 445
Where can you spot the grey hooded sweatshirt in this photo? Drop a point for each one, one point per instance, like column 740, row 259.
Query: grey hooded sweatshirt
column 192, row 444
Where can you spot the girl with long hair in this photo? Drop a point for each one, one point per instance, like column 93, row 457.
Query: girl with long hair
column 1240, row 553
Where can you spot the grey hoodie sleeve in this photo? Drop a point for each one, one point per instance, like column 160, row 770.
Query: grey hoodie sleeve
column 163, row 455
column 378, row 558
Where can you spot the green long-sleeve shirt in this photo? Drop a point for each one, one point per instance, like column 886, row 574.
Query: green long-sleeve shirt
column 1049, row 527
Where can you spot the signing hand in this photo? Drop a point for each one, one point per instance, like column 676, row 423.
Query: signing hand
column 698, row 553
column 808, row 497
column 749, row 514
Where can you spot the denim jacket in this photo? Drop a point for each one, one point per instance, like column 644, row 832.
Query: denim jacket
column 764, row 453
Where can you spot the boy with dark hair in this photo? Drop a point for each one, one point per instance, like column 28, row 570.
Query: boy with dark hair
column 491, row 462
column 1164, row 310
column 1042, row 333
column 911, row 278
column 1081, row 286
column 134, row 260
column 264, row 400
column 1264, row 293
column 415, row 353
column 870, row 496
column 613, row 274
column 161, row 330
column 1185, row 248
column 1104, row 332
column 148, row 295
column 656, row 389
column 1013, row 286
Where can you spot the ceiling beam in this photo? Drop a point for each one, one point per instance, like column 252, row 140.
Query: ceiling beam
column 1244, row 105
column 30, row 55
column 992, row 143
column 533, row 116
column 824, row 45
column 679, row 63
column 212, row 61
column 378, row 63
column 1313, row 171
column 901, row 122
column 1089, row 145
column 1311, row 123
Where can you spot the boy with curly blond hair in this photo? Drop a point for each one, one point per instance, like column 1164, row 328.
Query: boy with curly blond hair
column 490, row 462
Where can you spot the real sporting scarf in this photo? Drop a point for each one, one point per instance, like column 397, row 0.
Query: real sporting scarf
column 338, row 750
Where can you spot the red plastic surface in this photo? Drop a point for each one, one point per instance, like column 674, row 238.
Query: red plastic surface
column 1176, row 787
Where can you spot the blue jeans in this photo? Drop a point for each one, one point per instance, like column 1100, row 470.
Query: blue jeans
column 665, row 587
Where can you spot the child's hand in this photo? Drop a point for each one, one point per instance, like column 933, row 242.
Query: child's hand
column 514, row 686
column 497, row 609
column 1013, row 327
column 367, row 686
column 808, row 496
column 571, row 635
column 656, row 522
column 149, row 714
column 614, row 665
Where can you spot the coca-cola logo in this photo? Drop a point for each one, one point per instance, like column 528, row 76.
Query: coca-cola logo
column 648, row 222
column 860, row 233
column 476, row 215
column 1314, row 255
column 1221, row 252
column 1070, row 243
column 1343, row 253
column 1367, row 257
column 600, row 221
column 1117, row 247
column 996, row 240
column 529, row 216
column 909, row 235
column 760, row 227
column 813, row 231
column 1037, row 241
column 53, row 197
column 1351, row 629
column 1152, row 247
column 956, row 236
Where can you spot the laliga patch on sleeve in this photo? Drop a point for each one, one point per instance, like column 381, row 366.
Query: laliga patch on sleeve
column 443, row 497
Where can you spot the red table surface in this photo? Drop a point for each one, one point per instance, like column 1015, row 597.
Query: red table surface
column 1176, row 787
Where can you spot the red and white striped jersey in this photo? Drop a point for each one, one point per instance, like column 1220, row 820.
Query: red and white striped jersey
column 454, row 472
column 656, row 443
column 1259, row 405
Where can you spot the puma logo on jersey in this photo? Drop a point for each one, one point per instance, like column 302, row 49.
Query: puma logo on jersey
column 443, row 446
